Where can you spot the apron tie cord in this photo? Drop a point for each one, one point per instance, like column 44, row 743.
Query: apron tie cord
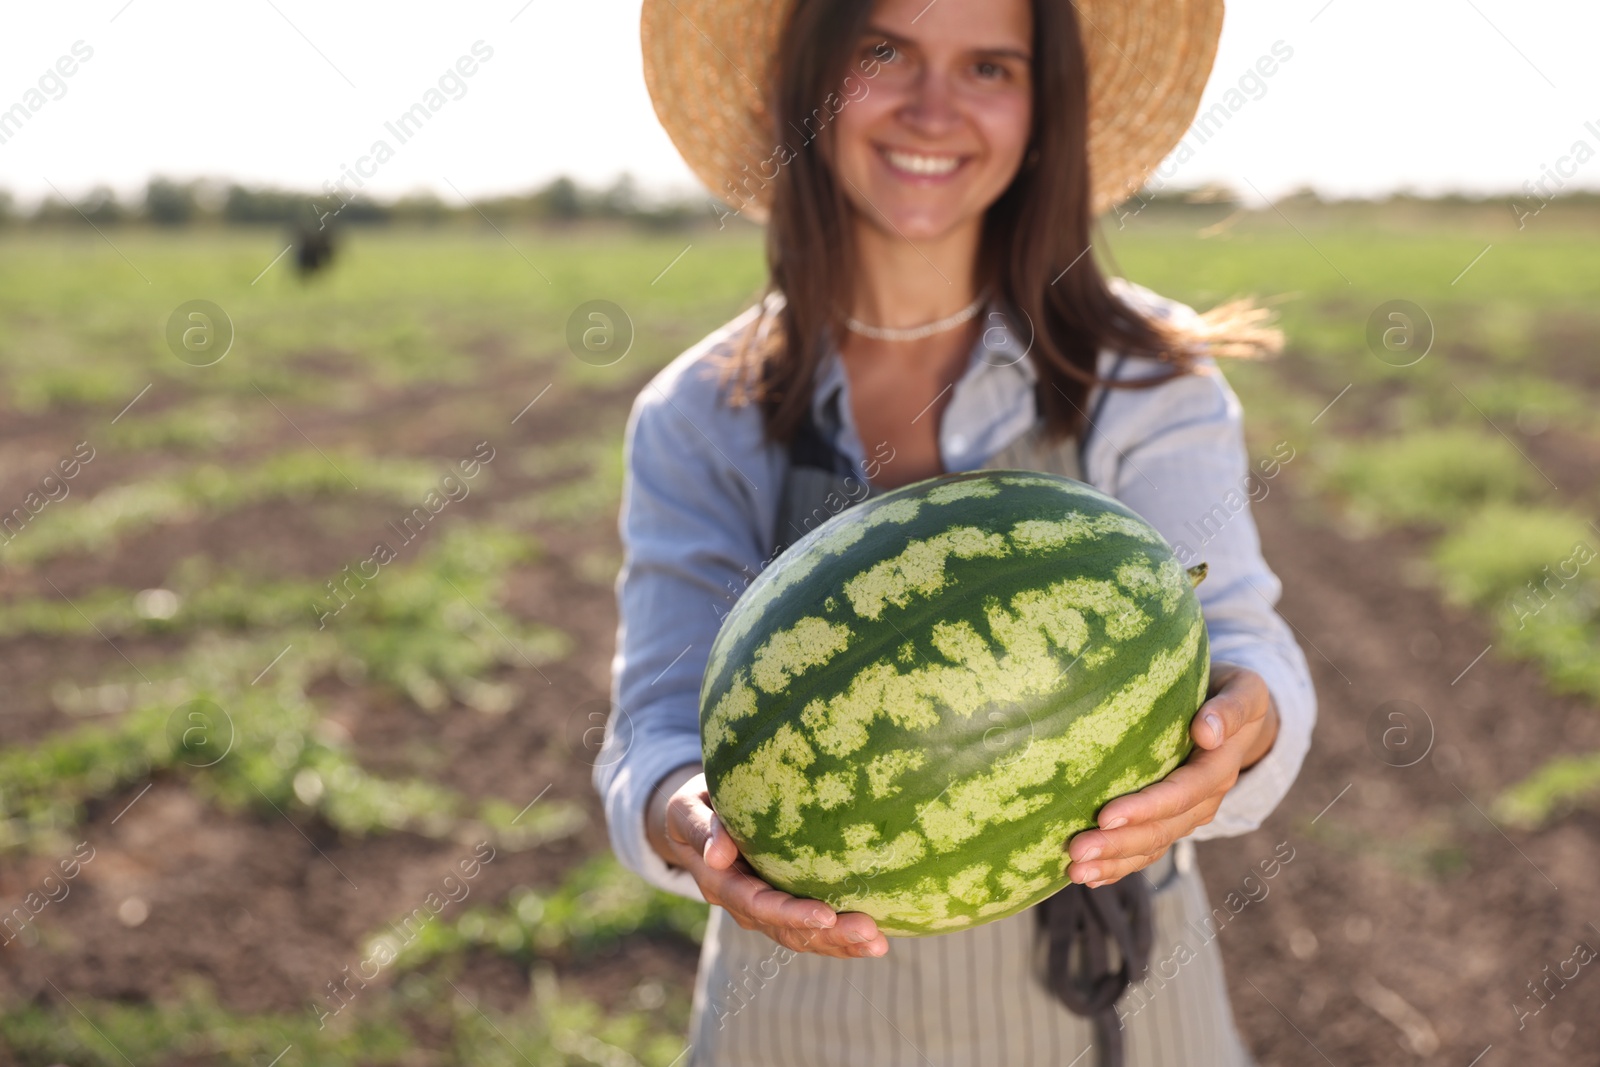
column 1080, row 926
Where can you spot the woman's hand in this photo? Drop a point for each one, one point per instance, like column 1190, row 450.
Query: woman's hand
column 1233, row 729
column 686, row 832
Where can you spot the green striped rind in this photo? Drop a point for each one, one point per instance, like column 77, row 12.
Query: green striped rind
column 911, row 711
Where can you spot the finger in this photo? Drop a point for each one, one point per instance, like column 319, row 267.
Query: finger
column 856, row 935
column 827, row 943
column 742, row 892
column 1122, row 853
column 1138, row 846
column 729, row 881
column 1121, row 869
column 851, row 933
column 1204, row 773
column 1241, row 698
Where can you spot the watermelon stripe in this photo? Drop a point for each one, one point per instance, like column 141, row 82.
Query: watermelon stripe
column 919, row 571
column 811, row 642
column 794, row 567
column 912, row 710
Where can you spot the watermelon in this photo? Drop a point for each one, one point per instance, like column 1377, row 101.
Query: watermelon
column 912, row 709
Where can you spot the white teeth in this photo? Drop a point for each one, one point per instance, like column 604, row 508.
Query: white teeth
column 923, row 164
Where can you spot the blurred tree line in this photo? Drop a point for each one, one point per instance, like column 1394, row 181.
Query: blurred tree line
column 171, row 203
column 207, row 201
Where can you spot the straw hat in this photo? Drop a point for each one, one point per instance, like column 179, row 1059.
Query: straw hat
column 1148, row 62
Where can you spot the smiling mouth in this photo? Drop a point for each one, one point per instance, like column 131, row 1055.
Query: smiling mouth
column 923, row 165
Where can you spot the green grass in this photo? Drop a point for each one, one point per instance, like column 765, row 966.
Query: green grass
column 1336, row 273
column 380, row 1026
column 1516, row 403
column 597, row 905
column 401, row 308
column 209, row 490
column 1535, row 572
column 1491, row 556
column 1558, row 786
column 1428, row 849
column 243, row 748
column 593, row 486
column 431, row 631
column 240, row 746
column 191, row 429
column 1429, row 476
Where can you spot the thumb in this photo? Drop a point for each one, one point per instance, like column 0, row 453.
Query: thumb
column 1229, row 708
column 704, row 834
column 716, row 847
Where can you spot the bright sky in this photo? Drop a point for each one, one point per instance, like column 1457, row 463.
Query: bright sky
column 1430, row 95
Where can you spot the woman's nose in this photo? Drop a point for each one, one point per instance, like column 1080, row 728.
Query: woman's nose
column 930, row 107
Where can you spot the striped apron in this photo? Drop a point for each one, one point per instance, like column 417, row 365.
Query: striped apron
column 972, row 997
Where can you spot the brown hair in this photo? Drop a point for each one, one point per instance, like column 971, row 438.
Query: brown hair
column 1031, row 251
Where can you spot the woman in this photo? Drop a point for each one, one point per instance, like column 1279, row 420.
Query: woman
column 934, row 172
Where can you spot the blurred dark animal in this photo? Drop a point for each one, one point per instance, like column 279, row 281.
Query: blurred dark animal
column 313, row 249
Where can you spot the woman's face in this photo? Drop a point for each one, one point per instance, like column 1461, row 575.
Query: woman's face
column 941, row 125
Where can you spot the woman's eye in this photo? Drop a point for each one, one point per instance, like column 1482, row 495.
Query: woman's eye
column 986, row 69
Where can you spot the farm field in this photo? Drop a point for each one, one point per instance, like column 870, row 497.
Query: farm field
column 273, row 792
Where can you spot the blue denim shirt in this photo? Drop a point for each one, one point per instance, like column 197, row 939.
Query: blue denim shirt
column 700, row 497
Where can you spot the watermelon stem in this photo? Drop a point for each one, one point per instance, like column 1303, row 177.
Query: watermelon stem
column 1197, row 574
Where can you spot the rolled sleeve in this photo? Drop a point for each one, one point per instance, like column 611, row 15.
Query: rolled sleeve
column 1179, row 460
column 689, row 539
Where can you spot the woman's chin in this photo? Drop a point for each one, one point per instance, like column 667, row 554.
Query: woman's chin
column 917, row 223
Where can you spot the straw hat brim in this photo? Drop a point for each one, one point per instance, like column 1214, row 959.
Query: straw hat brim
column 706, row 61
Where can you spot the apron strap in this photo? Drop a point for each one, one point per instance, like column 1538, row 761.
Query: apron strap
column 809, row 449
column 819, row 483
column 1093, row 417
